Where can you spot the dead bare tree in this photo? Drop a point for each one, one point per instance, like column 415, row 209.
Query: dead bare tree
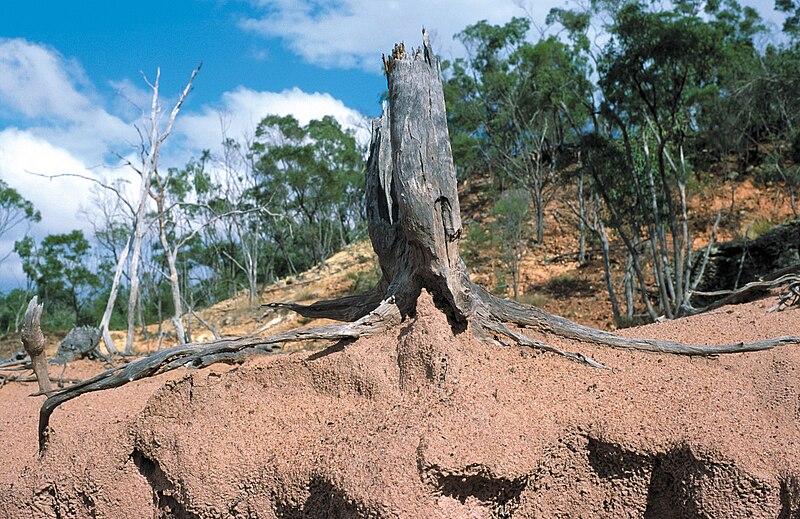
column 415, row 228
column 150, row 148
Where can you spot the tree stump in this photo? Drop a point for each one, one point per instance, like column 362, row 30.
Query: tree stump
column 33, row 341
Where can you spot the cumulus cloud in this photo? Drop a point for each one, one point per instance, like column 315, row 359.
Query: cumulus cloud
column 353, row 33
column 239, row 112
column 23, row 153
column 24, row 156
column 52, row 94
column 37, row 81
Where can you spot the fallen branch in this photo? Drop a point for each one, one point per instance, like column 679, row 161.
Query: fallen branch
column 786, row 276
column 790, row 296
column 200, row 355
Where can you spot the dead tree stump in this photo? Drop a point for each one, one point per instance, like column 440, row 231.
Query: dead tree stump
column 33, row 341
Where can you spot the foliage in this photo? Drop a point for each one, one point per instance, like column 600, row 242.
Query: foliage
column 59, row 270
column 316, row 172
column 511, row 218
column 14, row 209
column 513, row 105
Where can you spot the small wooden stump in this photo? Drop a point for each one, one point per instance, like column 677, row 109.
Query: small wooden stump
column 33, row 342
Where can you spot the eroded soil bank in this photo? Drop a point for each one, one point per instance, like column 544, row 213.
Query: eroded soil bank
column 420, row 423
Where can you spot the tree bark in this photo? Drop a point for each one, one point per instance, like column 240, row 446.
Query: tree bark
column 111, row 348
column 413, row 211
column 33, row 341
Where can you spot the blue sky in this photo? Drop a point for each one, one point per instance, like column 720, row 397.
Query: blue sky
column 114, row 40
column 70, row 78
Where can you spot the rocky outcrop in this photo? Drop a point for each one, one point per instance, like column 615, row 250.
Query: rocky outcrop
column 733, row 264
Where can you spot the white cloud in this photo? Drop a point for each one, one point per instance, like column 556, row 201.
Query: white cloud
column 23, row 153
column 240, row 111
column 50, row 93
column 354, row 33
column 37, row 81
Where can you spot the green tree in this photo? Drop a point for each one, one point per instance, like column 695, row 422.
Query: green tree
column 516, row 106
column 14, row 210
column 791, row 25
column 58, row 269
column 512, row 215
column 316, row 170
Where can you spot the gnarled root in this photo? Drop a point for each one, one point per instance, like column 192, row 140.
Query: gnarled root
column 200, row 355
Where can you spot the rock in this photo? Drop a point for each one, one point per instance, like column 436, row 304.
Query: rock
column 80, row 342
column 777, row 248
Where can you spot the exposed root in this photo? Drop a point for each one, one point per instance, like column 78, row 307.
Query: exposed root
column 507, row 311
column 200, row 355
column 524, row 340
column 33, row 341
column 495, row 314
column 350, row 308
column 784, row 277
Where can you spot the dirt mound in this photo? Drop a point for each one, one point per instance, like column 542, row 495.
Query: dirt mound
column 420, row 423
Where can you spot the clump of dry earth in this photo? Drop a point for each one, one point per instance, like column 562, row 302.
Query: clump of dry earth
column 418, row 422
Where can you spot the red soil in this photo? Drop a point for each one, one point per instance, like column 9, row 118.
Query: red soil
column 420, row 423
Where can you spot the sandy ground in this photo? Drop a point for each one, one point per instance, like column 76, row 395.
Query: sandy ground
column 420, row 423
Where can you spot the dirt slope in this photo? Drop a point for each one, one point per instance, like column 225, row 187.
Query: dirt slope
column 419, row 423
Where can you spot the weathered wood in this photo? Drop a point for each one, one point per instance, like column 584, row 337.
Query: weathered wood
column 33, row 341
column 748, row 292
column 734, row 264
column 412, row 200
column 495, row 309
column 349, row 308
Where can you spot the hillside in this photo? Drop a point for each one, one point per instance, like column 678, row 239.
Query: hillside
column 551, row 277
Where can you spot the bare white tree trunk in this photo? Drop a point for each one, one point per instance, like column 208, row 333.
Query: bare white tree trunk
column 174, row 281
column 111, row 348
column 138, row 237
column 149, row 168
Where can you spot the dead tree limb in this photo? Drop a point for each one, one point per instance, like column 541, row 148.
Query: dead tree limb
column 200, row 355
column 786, row 276
column 414, row 222
column 33, row 341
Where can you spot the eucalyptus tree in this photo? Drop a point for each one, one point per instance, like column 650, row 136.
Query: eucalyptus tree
column 516, row 107
column 512, row 215
column 14, row 210
column 317, row 171
column 245, row 244
column 665, row 86
column 59, row 268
